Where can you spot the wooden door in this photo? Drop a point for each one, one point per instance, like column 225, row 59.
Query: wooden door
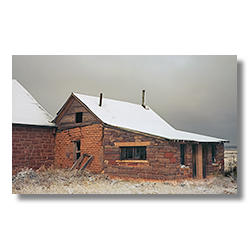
column 199, row 156
column 199, row 165
column 194, row 160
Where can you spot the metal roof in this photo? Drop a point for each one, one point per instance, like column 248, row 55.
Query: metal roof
column 26, row 110
column 135, row 117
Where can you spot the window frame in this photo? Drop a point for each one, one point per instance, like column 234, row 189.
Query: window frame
column 133, row 152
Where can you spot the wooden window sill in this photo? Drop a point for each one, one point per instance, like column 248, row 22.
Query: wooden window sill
column 132, row 161
column 132, row 144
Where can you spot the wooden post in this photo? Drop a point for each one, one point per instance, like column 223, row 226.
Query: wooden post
column 199, row 165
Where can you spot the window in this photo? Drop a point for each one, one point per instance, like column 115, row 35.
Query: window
column 182, row 154
column 78, row 117
column 213, row 153
column 133, row 153
column 76, row 150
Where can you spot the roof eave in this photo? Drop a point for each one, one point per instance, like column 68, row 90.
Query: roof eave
column 163, row 138
column 62, row 108
column 37, row 125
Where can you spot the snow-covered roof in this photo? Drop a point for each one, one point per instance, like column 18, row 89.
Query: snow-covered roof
column 26, row 110
column 135, row 117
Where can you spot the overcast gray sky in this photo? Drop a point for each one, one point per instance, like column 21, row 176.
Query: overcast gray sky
column 192, row 93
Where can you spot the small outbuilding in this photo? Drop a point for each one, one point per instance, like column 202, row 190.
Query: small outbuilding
column 32, row 133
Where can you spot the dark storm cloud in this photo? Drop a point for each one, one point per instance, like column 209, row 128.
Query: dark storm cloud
column 192, row 93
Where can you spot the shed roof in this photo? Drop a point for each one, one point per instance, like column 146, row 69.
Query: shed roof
column 25, row 108
column 135, row 117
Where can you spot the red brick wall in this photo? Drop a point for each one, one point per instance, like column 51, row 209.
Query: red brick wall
column 32, row 147
column 163, row 158
column 91, row 143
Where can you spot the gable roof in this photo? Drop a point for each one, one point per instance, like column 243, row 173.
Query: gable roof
column 134, row 117
column 25, row 108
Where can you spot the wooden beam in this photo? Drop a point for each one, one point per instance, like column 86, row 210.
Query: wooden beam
column 77, row 163
column 62, row 110
column 84, row 166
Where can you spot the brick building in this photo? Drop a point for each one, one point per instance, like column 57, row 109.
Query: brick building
column 32, row 133
column 128, row 140
column 123, row 140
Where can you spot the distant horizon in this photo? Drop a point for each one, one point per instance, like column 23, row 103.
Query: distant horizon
column 226, row 145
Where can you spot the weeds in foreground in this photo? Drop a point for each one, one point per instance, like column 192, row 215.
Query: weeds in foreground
column 54, row 181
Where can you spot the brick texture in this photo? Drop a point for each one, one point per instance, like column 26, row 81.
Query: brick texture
column 91, row 143
column 32, row 147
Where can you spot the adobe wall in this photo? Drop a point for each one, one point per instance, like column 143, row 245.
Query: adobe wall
column 163, row 158
column 91, row 143
column 32, row 147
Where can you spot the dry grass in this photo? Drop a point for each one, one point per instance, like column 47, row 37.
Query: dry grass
column 230, row 158
column 81, row 182
column 54, row 181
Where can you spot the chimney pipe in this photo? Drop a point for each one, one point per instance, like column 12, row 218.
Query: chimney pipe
column 100, row 104
column 143, row 99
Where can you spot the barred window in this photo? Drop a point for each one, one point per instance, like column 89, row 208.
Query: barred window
column 133, row 153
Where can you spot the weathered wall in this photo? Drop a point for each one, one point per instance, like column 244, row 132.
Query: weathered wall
column 32, row 146
column 163, row 158
column 91, row 143
column 219, row 156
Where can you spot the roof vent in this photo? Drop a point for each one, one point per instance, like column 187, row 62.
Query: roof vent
column 100, row 103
